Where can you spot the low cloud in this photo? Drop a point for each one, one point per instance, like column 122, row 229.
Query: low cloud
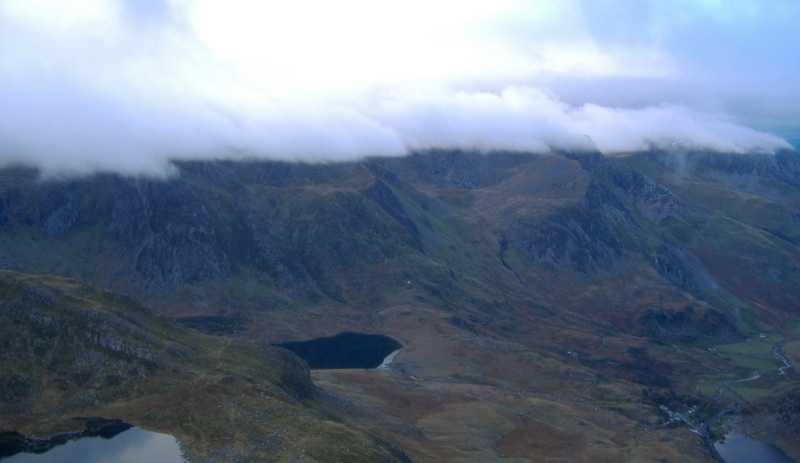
column 531, row 119
column 129, row 86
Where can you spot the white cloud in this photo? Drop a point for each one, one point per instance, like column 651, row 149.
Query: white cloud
column 615, row 130
column 527, row 118
column 127, row 85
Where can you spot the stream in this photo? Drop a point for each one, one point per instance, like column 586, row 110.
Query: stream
column 738, row 448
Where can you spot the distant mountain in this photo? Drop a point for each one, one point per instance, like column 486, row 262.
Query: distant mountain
column 650, row 252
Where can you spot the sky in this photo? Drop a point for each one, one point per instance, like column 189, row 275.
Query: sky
column 128, row 85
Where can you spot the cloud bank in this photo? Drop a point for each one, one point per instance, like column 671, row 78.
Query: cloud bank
column 126, row 86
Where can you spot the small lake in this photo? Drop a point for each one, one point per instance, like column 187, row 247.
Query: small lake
column 134, row 445
column 345, row 350
column 737, row 448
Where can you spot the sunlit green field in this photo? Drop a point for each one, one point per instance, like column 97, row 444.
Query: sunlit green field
column 747, row 347
column 756, row 393
column 743, row 360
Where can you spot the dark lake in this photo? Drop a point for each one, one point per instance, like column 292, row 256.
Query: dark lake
column 133, row 445
column 345, row 350
column 737, row 448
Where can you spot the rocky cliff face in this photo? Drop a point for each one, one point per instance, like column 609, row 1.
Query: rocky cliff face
column 46, row 329
column 591, row 236
column 344, row 233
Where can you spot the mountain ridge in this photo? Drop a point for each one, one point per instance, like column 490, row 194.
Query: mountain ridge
column 563, row 279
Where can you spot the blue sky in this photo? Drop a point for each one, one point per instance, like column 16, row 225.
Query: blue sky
column 127, row 85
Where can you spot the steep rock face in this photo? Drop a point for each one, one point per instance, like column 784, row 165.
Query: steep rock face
column 382, row 195
column 677, row 266
column 255, row 235
column 739, row 223
column 588, row 237
column 58, row 212
column 184, row 238
column 653, row 201
column 760, row 175
column 147, row 232
column 161, row 235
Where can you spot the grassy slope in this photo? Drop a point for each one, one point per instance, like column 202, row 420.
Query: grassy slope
column 70, row 351
column 745, row 233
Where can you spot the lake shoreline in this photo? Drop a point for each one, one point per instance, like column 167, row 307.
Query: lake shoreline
column 348, row 350
column 13, row 443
